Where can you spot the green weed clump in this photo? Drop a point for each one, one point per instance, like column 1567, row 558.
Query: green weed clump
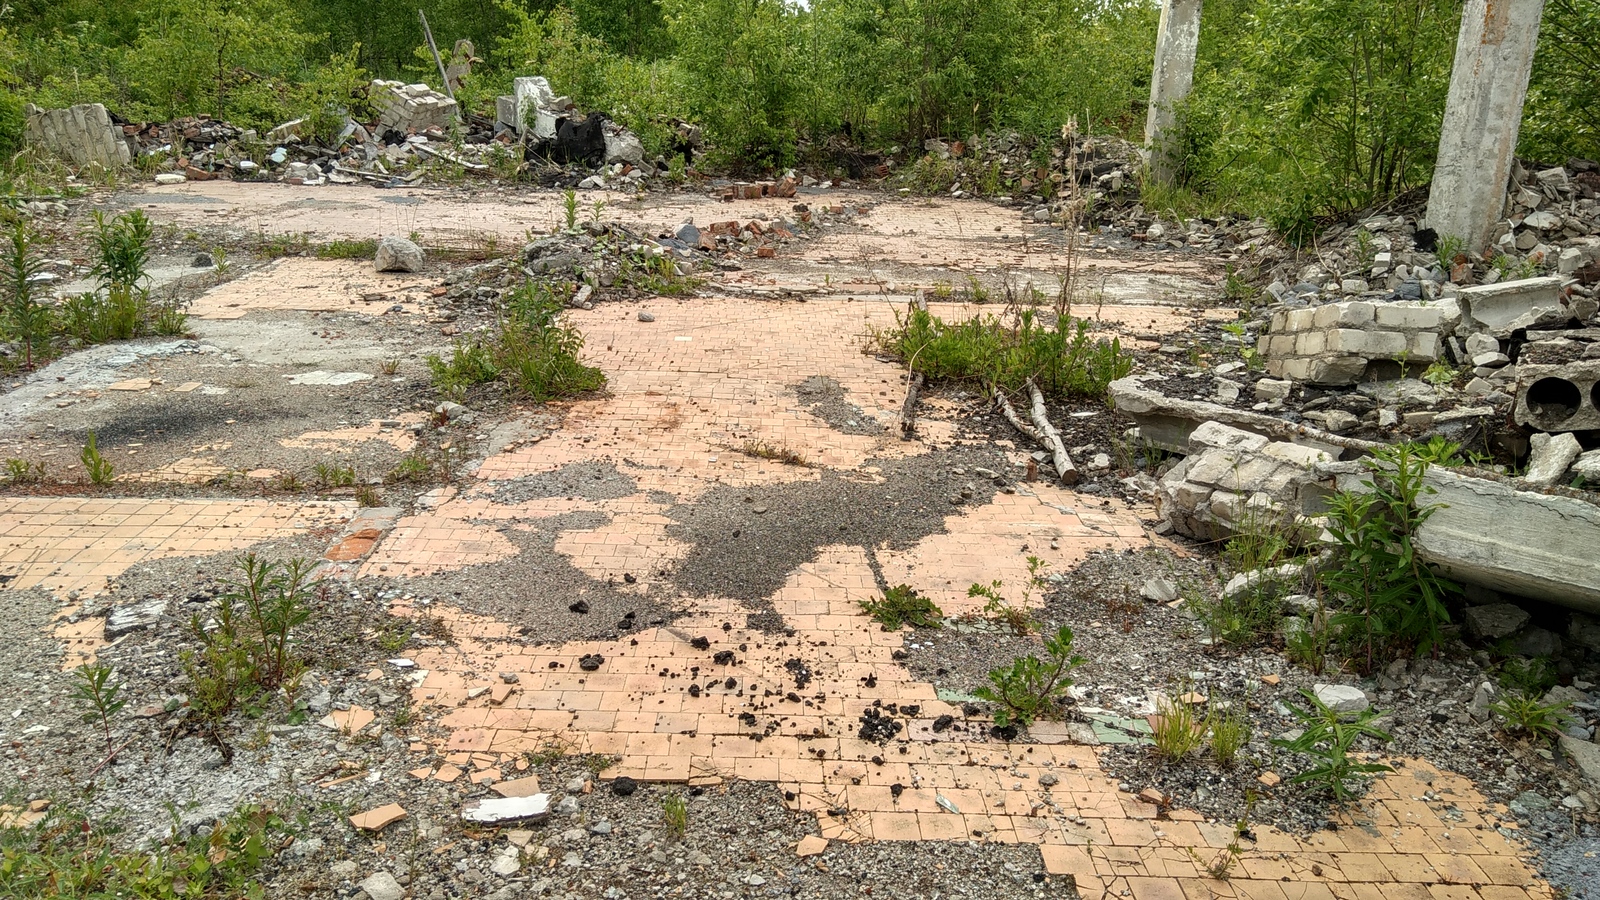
column 1031, row 688
column 100, row 469
column 1392, row 601
column 1062, row 359
column 902, row 605
column 247, row 652
column 1525, row 715
column 531, row 351
column 1328, row 737
column 342, row 249
column 72, row 855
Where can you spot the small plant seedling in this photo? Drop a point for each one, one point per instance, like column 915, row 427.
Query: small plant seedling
column 413, row 467
column 101, row 696
column 1327, row 737
column 569, row 205
column 1229, row 730
column 1031, row 688
column 675, row 814
column 334, row 476
column 100, row 469
column 367, row 496
column 20, row 471
column 902, row 605
column 1525, row 715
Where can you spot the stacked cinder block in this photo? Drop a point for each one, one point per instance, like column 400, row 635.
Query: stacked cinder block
column 1339, row 343
column 410, row 107
column 1234, row 479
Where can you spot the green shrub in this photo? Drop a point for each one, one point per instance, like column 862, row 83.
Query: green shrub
column 1064, row 361
column 1392, row 601
column 12, row 124
column 25, row 319
column 1527, row 716
column 902, row 605
column 1177, row 731
column 1032, row 689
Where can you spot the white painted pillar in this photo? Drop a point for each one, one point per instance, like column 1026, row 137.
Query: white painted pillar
column 1478, row 143
column 1177, row 39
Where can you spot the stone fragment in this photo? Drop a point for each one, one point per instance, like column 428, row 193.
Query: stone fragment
column 396, row 254
column 134, row 616
column 382, row 886
column 1551, row 456
column 1495, row 621
column 1342, row 698
column 1585, row 755
column 1160, row 590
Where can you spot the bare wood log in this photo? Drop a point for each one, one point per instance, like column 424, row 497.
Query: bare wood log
column 1052, row 438
column 1010, row 413
column 908, row 412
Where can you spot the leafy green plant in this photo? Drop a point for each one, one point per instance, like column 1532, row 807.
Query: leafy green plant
column 367, row 496
column 122, row 248
column 675, row 815
column 1228, row 728
column 348, row 249
column 1439, row 373
column 413, row 467
column 334, row 476
column 1328, row 737
column 101, row 698
column 248, row 648
column 20, row 471
column 902, row 605
column 23, row 316
column 69, row 854
column 532, row 351
column 1393, row 601
column 1175, row 728
column 100, row 469
column 1528, row 716
column 1031, row 688
column 569, row 206
column 998, row 608
column 1531, row 675
column 1061, row 358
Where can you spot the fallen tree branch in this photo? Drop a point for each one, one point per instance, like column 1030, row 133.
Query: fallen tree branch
column 1051, row 438
column 908, row 411
column 1011, row 415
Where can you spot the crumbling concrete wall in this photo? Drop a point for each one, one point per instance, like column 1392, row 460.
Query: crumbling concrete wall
column 82, row 135
column 1341, row 343
column 411, row 107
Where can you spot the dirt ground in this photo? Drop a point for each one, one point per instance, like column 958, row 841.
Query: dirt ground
column 610, row 590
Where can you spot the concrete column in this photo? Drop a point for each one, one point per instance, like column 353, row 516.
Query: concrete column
column 1177, row 39
column 1477, row 145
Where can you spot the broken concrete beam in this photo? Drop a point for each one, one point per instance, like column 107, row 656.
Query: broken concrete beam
column 82, row 135
column 1349, row 342
column 1519, row 542
column 1502, row 308
column 1167, row 422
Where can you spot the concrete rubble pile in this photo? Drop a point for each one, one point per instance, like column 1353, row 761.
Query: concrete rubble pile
column 390, row 137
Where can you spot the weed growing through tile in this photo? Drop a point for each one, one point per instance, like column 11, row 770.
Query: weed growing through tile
column 902, row 605
column 1031, row 688
column 675, row 814
column 780, row 453
column 367, row 496
column 1005, row 350
column 1327, row 737
column 532, row 352
column 100, row 469
column 998, row 608
column 412, row 468
column 1525, row 715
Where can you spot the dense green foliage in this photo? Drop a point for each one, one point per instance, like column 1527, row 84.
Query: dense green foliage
column 1300, row 108
column 531, row 351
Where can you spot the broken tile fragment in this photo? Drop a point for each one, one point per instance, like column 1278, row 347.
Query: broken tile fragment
column 507, row 809
column 378, row 819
